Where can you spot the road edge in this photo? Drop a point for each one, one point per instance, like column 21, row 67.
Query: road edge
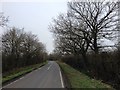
column 20, row 76
column 66, row 82
column 61, row 78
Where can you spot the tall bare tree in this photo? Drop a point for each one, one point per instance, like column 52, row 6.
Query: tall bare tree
column 100, row 17
column 70, row 36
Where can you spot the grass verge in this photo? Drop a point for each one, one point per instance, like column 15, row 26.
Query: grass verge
column 80, row 80
column 20, row 71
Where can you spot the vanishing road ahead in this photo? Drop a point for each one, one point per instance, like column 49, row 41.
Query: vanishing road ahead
column 48, row 76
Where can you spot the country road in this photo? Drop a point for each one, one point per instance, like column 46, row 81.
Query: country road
column 48, row 76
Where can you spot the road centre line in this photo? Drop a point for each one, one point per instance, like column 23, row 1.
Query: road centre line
column 49, row 67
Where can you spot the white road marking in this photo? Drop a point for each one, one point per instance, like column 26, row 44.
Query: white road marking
column 10, row 83
column 22, row 77
column 39, row 68
column 14, row 82
column 19, row 78
column 49, row 67
column 61, row 78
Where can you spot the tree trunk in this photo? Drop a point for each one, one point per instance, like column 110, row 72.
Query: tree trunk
column 95, row 44
column 85, row 61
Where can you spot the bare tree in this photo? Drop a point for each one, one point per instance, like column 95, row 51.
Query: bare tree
column 100, row 17
column 11, row 41
column 21, row 49
column 3, row 20
column 32, row 48
column 70, row 36
column 80, row 30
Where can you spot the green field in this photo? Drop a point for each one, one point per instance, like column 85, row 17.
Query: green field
column 80, row 80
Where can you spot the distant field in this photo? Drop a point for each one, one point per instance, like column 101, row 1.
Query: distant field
column 80, row 80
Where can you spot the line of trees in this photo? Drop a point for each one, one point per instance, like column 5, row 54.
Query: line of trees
column 78, row 32
column 20, row 48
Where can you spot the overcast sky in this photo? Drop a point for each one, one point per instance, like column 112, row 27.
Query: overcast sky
column 34, row 17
